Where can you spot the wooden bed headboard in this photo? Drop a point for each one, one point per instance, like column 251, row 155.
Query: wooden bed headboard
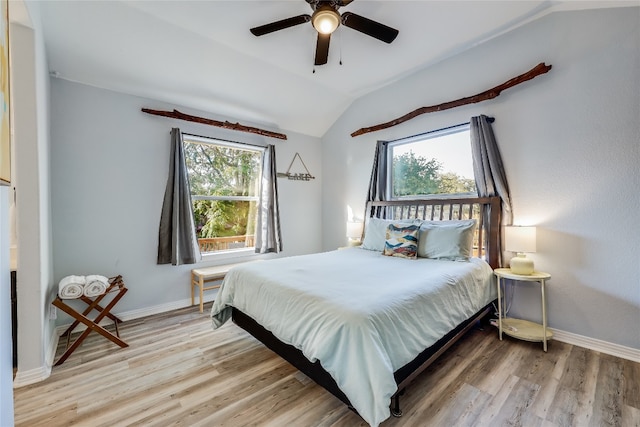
column 486, row 210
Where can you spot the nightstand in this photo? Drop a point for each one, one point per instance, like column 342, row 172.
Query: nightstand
column 518, row 328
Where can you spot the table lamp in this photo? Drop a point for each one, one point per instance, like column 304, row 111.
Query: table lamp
column 354, row 232
column 520, row 240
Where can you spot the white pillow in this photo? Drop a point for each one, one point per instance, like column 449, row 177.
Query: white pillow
column 375, row 232
column 452, row 240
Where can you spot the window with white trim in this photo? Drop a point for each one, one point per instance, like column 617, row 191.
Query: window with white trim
column 438, row 163
column 224, row 179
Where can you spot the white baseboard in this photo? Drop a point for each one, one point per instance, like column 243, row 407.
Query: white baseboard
column 41, row 373
column 31, row 376
column 617, row 350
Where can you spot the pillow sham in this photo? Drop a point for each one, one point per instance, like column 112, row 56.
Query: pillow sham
column 402, row 241
column 451, row 240
column 375, row 232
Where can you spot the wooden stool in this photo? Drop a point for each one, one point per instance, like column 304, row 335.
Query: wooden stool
column 115, row 285
column 199, row 276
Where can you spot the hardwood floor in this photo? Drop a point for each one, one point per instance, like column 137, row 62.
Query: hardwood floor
column 177, row 371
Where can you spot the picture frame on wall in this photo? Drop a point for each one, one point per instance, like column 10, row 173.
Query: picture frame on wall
column 5, row 118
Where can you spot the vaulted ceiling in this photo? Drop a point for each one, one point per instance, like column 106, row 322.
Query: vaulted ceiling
column 200, row 54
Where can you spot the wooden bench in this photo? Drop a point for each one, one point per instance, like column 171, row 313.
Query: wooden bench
column 200, row 276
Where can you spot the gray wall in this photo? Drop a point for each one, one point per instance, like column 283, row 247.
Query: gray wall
column 109, row 170
column 569, row 140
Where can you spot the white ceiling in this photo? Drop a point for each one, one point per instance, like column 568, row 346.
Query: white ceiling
column 200, row 54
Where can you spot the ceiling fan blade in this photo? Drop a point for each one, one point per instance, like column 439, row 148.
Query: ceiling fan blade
column 322, row 48
column 280, row 25
column 369, row 27
column 344, row 2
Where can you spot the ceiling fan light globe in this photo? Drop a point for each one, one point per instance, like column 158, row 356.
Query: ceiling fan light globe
column 325, row 21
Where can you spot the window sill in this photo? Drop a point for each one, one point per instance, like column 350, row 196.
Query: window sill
column 226, row 255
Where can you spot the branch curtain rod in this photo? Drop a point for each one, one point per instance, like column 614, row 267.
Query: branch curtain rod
column 489, row 119
column 224, row 140
column 539, row 69
column 175, row 114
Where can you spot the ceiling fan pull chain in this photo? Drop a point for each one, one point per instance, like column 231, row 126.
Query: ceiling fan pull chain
column 314, row 64
column 340, row 42
column 313, row 69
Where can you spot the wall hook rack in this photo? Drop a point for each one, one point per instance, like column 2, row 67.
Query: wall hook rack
column 296, row 176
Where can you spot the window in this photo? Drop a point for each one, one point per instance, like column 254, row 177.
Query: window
column 224, row 179
column 436, row 163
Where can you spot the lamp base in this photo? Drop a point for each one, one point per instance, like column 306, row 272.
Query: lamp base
column 520, row 264
column 354, row 242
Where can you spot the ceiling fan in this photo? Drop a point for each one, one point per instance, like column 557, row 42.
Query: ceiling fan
column 325, row 19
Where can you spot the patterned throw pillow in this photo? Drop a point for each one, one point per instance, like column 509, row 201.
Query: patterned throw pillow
column 375, row 232
column 402, row 241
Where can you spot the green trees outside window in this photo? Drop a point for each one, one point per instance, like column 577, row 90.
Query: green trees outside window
column 224, row 183
column 439, row 163
column 415, row 176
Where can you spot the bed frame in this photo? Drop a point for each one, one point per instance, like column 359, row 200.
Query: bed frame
column 486, row 210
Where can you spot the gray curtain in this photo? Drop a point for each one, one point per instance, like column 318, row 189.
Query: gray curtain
column 488, row 169
column 177, row 242
column 378, row 190
column 268, row 236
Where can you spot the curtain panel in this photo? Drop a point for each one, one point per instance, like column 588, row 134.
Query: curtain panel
column 491, row 179
column 177, row 241
column 268, row 234
column 378, row 182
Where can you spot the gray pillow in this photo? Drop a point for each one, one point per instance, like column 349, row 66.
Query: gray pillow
column 451, row 240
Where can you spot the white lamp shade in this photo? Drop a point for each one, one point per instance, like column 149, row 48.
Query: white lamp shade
column 520, row 239
column 354, row 230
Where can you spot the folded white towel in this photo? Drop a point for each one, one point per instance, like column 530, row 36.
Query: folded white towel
column 71, row 287
column 96, row 285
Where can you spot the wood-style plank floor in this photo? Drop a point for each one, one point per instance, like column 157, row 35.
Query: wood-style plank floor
column 177, row 371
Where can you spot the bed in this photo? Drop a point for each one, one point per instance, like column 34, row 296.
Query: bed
column 364, row 325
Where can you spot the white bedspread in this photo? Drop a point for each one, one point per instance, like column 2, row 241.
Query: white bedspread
column 362, row 314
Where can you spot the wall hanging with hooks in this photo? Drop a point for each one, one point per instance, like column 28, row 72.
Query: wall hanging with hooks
column 297, row 176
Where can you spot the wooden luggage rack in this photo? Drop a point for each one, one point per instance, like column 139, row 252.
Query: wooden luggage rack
column 116, row 285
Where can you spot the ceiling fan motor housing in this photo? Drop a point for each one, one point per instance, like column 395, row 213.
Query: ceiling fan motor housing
column 325, row 19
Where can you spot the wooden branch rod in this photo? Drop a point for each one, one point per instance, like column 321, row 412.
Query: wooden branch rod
column 541, row 68
column 175, row 114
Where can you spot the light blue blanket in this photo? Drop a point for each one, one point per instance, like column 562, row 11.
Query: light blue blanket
column 362, row 314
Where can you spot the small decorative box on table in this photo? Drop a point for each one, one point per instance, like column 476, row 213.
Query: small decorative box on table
column 518, row 328
column 116, row 285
